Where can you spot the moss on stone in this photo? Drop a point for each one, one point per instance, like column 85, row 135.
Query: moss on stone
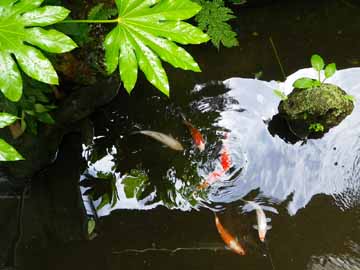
column 326, row 104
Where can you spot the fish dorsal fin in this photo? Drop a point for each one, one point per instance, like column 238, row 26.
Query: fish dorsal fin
column 268, row 219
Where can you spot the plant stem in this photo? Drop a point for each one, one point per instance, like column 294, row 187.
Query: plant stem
column 91, row 21
column 277, row 57
column 319, row 76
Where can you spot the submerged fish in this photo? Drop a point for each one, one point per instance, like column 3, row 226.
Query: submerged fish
column 229, row 240
column 225, row 159
column 163, row 138
column 195, row 134
column 262, row 225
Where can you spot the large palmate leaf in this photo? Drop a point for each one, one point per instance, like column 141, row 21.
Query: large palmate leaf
column 146, row 32
column 20, row 34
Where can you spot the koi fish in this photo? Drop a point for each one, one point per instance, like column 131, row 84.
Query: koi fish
column 229, row 240
column 168, row 140
column 195, row 134
column 225, row 159
column 262, row 225
column 211, row 178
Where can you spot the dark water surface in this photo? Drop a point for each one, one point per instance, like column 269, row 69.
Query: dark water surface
column 310, row 188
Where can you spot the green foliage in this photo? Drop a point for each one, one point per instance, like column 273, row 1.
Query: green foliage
column 213, row 19
column 102, row 186
column 318, row 64
column 20, row 25
column 33, row 107
column 7, row 152
column 146, row 32
column 280, row 94
column 316, row 127
column 135, row 183
column 100, row 12
column 91, row 226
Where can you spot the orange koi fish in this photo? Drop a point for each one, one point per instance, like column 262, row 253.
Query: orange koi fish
column 229, row 240
column 195, row 134
column 225, row 159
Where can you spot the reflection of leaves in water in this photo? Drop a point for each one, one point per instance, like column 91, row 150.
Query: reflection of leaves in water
column 102, row 186
column 135, row 183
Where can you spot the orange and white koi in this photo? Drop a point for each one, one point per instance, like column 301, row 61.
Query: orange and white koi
column 225, row 162
column 195, row 134
column 229, row 239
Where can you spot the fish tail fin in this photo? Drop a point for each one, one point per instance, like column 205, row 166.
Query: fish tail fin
column 137, row 130
column 184, row 119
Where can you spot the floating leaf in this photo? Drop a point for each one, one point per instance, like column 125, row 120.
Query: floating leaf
column 317, row 62
column 20, row 32
column 330, row 69
column 146, row 32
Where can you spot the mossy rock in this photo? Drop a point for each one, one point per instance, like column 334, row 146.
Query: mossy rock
column 326, row 105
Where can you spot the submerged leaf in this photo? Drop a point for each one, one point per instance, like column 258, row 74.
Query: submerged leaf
column 19, row 26
column 146, row 31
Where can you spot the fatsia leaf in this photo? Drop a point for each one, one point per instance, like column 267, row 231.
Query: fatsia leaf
column 146, row 32
column 8, row 153
column 20, row 23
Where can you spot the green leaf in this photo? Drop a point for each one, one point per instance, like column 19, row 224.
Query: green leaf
column 49, row 40
column 304, row 83
column 330, row 69
column 91, row 226
column 45, row 118
column 128, row 61
column 17, row 19
column 213, row 19
column 44, row 16
column 8, row 153
column 317, row 62
column 166, row 10
column 7, row 119
column 280, row 94
column 167, row 50
column 134, row 182
column 145, row 32
column 10, row 78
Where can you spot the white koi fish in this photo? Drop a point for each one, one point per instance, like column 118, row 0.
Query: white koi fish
column 262, row 227
column 163, row 138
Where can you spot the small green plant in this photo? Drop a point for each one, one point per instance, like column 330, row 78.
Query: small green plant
column 316, row 127
column 318, row 64
column 213, row 19
column 280, row 94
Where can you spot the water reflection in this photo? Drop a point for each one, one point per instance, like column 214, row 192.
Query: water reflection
column 264, row 157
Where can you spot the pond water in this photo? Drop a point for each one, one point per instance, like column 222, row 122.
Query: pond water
column 160, row 218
